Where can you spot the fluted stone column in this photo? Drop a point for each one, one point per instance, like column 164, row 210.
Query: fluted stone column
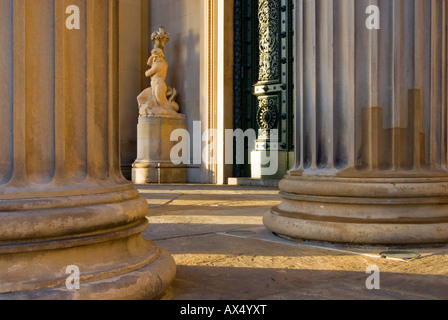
column 63, row 200
column 371, row 118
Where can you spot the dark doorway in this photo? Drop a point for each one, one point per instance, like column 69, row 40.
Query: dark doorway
column 263, row 81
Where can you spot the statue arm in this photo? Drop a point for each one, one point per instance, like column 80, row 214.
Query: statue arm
column 151, row 72
column 150, row 60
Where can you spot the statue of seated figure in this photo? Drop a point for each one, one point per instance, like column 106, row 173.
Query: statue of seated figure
column 159, row 99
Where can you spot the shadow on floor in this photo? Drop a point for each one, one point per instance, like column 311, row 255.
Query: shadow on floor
column 226, row 283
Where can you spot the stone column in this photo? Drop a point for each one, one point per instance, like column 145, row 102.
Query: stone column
column 371, row 119
column 63, row 200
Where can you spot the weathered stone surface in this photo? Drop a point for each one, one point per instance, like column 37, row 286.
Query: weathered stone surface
column 371, row 146
column 154, row 145
column 159, row 118
column 223, row 252
column 159, row 99
column 63, row 199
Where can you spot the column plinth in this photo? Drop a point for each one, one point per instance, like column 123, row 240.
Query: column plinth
column 362, row 210
column 371, row 118
column 154, row 146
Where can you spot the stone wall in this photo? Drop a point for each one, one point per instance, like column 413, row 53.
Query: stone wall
column 133, row 46
column 183, row 20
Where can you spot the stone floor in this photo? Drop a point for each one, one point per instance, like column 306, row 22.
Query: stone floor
column 223, row 252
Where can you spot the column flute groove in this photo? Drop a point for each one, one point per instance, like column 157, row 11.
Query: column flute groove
column 436, row 70
column 60, row 114
column 75, row 98
column 299, row 83
column 325, row 92
column 344, row 93
column 114, row 125
column 40, row 90
column 310, row 129
column 19, row 99
column 6, row 91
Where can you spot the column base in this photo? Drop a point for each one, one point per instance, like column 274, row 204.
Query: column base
column 357, row 211
column 129, row 268
column 99, row 233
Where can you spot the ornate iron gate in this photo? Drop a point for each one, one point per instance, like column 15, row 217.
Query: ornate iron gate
column 263, row 77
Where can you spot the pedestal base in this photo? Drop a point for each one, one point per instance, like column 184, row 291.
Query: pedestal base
column 154, row 145
column 148, row 279
column 98, row 231
column 375, row 211
column 146, row 173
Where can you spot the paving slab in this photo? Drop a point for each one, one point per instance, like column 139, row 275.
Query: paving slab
column 223, row 252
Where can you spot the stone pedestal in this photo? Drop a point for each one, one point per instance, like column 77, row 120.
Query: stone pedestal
column 64, row 204
column 371, row 119
column 153, row 164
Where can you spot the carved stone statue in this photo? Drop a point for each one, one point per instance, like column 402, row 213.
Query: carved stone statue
column 159, row 117
column 159, row 99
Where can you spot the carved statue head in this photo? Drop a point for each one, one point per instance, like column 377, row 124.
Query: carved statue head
column 157, row 52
